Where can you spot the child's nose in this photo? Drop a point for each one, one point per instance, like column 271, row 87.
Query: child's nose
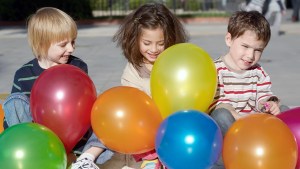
column 70, row 47
column 154, row 48
column 250, row 54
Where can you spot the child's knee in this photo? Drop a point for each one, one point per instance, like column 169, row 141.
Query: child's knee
column 17, row 109
column 221, row 114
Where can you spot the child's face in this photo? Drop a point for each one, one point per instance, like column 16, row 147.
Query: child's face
column 59, row 52
column 244, row 51
column 151, row 44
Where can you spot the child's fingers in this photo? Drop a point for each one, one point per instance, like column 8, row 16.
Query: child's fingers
column 267, row 106
column 273, row 108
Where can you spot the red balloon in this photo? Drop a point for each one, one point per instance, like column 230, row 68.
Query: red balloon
column 291, row 118
column 61, row 99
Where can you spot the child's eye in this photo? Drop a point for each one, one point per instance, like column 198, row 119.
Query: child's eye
column 63, row 44
column 258, row 50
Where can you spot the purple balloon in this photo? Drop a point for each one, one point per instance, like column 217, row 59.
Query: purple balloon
column 291, row 118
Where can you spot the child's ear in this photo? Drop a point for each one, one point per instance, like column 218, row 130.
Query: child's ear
column 228, row 39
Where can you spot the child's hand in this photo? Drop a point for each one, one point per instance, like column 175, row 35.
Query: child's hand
column 271, row 107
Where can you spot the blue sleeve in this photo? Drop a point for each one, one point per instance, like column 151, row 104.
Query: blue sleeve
column 75, row 61
column 16, row 86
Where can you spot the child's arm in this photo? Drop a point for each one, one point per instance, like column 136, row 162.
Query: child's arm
column 267, row 102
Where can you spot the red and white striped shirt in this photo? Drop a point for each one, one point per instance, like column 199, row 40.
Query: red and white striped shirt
column 243, row 90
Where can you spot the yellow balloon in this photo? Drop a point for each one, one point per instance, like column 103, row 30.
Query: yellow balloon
column 184, row 77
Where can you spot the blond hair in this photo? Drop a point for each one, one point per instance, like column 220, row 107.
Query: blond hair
column 49, row 25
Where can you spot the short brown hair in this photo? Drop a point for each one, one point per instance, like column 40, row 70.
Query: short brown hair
column 242, row 21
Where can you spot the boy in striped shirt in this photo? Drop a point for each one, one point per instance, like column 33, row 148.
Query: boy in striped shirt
column 244, row 87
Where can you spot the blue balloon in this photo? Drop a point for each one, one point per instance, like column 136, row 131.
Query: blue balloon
column 188, row 139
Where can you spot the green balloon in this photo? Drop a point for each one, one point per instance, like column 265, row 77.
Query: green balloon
column 31, row 146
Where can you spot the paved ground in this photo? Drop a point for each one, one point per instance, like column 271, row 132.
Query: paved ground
column 106, row 63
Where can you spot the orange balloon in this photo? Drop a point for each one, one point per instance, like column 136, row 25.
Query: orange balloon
column 259, row 141
column 3, row 96
column 126, row 119
column 1, row 118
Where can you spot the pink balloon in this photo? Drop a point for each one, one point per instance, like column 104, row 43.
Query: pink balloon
column 291, row 118
column 61, row 99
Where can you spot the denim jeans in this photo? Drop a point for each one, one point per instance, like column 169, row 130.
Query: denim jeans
column 223, row 118
column 93, row 141
column 16, row 109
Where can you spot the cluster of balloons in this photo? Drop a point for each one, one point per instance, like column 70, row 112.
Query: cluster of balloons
column 183, row 84
column 61, row 101
column 174, row 121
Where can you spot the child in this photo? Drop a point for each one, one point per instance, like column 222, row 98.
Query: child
column 243, row 85
column 51, row 35
column 143, row 35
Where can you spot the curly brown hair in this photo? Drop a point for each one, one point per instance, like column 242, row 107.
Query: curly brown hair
column 148, row 16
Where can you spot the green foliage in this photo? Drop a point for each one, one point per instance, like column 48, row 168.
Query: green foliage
column 19, row 10
column 78, row 9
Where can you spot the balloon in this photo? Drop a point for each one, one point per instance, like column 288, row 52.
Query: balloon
column 61, row 99
column 125, row 119
column 1, row 119
column 259, row 141
column 183, row 77
column 188, row 139
column 291, row 118
column 31, row 146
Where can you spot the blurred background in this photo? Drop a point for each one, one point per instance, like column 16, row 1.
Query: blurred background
column 19, row 10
